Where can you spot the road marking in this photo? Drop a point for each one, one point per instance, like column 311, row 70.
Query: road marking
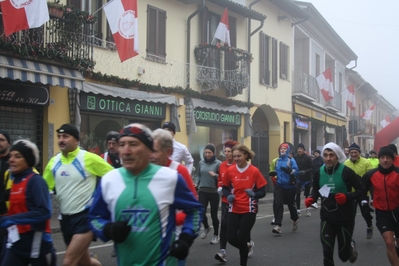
column 93, row 247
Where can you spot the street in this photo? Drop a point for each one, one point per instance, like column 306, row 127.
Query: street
column 300, row 248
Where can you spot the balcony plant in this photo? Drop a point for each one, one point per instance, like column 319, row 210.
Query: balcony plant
column 55, row 9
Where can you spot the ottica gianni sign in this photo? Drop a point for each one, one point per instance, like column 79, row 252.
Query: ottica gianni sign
column 121, row 106
column 217, row 117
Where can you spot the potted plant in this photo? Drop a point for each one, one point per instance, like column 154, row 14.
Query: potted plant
column 55, row 9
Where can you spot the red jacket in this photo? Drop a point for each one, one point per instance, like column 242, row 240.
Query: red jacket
column 385, row 187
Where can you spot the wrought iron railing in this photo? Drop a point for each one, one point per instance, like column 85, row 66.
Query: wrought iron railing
column 306, row 84
column 225, row 67
column 58, row 39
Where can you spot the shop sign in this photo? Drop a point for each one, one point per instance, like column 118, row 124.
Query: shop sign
column 114, row 105
column 18, row 92
column 301, row 124
column 217, row 117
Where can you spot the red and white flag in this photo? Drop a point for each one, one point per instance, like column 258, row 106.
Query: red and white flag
column 326, row 85
column 368, row 113
column 223, row 30
column 23, row 14
column 386, row 121
column 122, row 18
column 350, row 97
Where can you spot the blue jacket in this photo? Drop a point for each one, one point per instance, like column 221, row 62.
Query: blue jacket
column 283, row 179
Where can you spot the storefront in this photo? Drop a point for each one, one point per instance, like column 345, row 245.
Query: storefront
column 105, row 108
column 21, row 110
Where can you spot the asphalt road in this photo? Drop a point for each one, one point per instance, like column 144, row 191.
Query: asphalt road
column 291, row 248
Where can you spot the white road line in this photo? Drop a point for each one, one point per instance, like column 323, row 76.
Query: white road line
column 93, row 247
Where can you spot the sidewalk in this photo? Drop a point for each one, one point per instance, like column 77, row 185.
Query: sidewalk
column 55, row 224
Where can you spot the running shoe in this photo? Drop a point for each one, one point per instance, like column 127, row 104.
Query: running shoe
column 221, row 256
column 314, row 205
column 353, row 257
column 369, row 232
column 272, row 223
column 215, row 239
column 308, row 214
column 295, row 225
column 277, row 230
column 299, row 212
column 205, row 232
column 251, row 248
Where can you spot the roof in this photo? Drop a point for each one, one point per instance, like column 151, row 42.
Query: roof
column 291, row 8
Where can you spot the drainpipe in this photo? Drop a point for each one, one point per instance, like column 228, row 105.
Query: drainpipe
column 355, row 65
column 188, row 40
column 249, row 44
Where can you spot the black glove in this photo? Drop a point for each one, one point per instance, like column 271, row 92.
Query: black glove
column 288, row 170
column 117, row 231
column 272, row 173
column 180, row 247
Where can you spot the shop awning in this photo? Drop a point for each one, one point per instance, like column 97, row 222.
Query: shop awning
column 26, row 70
column 128, row 93
column 215, row 106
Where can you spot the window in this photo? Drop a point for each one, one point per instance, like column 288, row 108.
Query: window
column 268, row 60
column 284, row 59
column 156, row 34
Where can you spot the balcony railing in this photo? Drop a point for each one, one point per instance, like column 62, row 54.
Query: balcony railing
column 224, row 67
column 58, row 39
column 361, row 126
column 305, row 86
column 335, row 103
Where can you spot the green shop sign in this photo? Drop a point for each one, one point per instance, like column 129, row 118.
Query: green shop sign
column 217, row 117
column 120, row 106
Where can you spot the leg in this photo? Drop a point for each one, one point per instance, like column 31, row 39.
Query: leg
column 214, row 200
column 233, row 222
column 49, row 259
column 327, row 237
column 77, row 252
column 290, row 197
column 10, row 258
column 391, row 249
column 223, row 225
column 365, row 209
column 279, row 207
column 203, row 199
column 298, row 195
column 344, row 238
column 246, row 223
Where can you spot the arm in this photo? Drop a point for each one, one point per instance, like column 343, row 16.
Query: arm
column 188, row 159
column 96, row 165
column 353, row 181
column 310, row 168
column 180, row 216
column 185, row 200
column 38, row 203
column 316, row 186
column 48, row 176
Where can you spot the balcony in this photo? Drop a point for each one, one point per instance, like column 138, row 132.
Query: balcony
column 222, row 67
column 334, row 104
column 305, row 87
column 361, row 128
column 65, row 40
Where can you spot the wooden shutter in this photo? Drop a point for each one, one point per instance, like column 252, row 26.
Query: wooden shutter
column 274, row 63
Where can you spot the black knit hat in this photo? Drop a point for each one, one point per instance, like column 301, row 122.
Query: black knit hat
column 300, row 145
column 69, row 129
column 28, row 150
column 170, row 126
column 210, row 147
column 373, row 151
column 6, row 135
column 354, row 146
column 393, row 148
column 136, row 132
column 386, row 151
column 112, row 135
column 318, row 151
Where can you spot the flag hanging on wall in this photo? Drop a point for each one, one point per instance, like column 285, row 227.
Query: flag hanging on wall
column 23, row 15
column 122, row 18
column 368, row 113
column 350, row 97
column 223, row 30
column 386, row 121
column 326, row 86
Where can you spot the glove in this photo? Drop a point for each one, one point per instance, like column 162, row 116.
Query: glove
column 220, row 191
column 274, row 180
column 288, row 170
column 272, row 173
column 250, row 193
column 180, row 247
column 301, row 173
column 340, row 198
column 117, row 231
column 308, row 202
column 231, row 198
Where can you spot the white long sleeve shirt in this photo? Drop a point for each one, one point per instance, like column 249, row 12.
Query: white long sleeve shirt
column 181, row 154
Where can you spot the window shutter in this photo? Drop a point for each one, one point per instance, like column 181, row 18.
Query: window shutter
column 151, row 30
column 161, row 51
column 274, row 63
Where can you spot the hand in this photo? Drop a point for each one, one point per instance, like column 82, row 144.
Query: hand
column 272, row 173
column 220, row 191
column 250, row 193
column 212, row 173
column 274, row 180
column 340, row 198
column 180, row 247
column 231, row 198
column 308, row 202
column 117, row 231
column 287, row 170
